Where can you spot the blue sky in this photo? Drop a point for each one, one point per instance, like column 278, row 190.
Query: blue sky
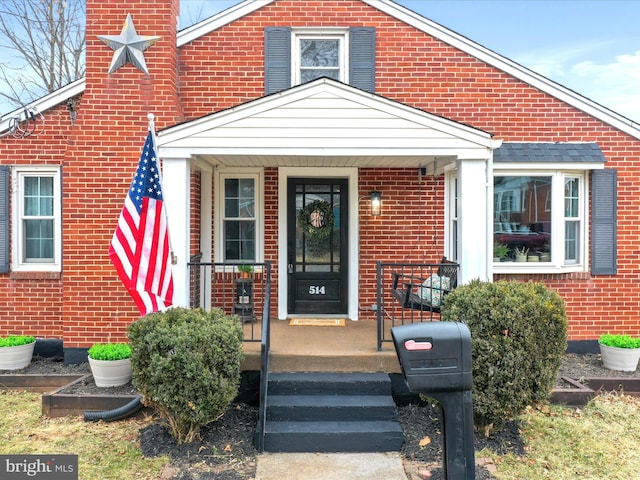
column 589, row 46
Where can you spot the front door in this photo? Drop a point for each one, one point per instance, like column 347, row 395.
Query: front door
column 317, row 255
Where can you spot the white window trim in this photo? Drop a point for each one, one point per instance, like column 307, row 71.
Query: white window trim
column 338, row 33
column 557, row 264
column 219, row 176
column 17, row 249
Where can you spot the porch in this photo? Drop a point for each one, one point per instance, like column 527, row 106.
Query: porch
column 362, row 345
column 351, row 348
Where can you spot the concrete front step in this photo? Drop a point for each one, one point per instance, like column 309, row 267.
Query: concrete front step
column 331, row 412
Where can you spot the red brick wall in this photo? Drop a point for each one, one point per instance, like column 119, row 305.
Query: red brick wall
column 195, row 214
column 225, row 68
column 31, row 303
column 428, row 74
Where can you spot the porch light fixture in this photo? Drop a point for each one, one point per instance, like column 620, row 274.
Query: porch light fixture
column 376, row 203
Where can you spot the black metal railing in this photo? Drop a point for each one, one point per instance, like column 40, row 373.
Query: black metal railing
column 265, row 347
column 228, row 287
column 403, row 297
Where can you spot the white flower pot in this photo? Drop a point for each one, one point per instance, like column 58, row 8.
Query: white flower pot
column 15, row 358
column 111, row 373
column 620, row 359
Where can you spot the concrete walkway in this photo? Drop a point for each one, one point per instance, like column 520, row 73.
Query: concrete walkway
column 330, row 466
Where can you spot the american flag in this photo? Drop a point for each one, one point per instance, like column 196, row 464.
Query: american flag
column 140, row 248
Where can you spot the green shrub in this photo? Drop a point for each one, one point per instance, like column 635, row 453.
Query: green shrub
column 16, row 340
column 518, row 340
column 186, row 364
column 619, row 341
column 110, row 351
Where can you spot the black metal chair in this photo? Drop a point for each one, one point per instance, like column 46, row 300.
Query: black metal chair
column 407, row 289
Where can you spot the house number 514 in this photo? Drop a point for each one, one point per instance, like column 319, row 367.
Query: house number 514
column 316, row 290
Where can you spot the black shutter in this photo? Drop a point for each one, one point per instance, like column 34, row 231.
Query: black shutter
column 604, row 226
column 362, row 58
column 277, row 59
column 4, row 218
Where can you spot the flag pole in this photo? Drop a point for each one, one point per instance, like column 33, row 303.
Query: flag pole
column 152, row 130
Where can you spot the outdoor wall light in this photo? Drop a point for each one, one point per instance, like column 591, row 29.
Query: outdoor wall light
column 376, row 203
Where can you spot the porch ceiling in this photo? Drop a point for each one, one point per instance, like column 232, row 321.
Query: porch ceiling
column 324, row 124
column 325, row 161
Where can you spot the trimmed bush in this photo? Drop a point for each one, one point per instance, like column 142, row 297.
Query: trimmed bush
column 518, row 340
column 186, row 364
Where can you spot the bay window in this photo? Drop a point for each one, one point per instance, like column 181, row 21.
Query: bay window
column 539, row 218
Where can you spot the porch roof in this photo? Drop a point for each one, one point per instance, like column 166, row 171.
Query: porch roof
column 324, row 124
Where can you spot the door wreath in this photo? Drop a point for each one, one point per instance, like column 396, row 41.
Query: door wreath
column 316, row 219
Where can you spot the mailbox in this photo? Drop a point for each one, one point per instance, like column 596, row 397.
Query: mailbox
column 435, row 358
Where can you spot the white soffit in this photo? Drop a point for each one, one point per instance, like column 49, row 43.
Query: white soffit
column 323, row 119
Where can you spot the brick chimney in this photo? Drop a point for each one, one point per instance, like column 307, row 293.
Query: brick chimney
column 104, row 148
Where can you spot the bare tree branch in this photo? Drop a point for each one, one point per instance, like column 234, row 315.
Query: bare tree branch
column 45, row 40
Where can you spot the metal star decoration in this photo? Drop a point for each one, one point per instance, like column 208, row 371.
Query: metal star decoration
column 128, row 46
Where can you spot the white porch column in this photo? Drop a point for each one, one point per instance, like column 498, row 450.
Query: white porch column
column 176, row 184
column 474, row 207
column 206, row 214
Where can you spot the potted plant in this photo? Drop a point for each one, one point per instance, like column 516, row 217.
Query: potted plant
column 619, row 352
column 16, row 351
column 245, row 270
column 500, row 251
column 110, row 364
column 521, row 254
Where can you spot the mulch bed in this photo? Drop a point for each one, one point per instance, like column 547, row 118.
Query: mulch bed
column 226, row 450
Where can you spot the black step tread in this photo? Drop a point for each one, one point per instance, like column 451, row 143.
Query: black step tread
column 322, row 383
column 333, row 427
column 330, row 401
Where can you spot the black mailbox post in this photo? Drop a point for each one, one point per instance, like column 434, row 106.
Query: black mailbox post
column 435, row 358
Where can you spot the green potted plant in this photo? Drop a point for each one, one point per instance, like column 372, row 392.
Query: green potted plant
column 619, row 352
column 110, row 364
column 16, row 351
column 500, row 251
column 245, row 270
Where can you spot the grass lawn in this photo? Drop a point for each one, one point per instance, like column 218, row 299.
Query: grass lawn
column 595, row 442
column 105, row 450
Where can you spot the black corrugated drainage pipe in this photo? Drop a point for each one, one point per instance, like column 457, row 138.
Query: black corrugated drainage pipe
column 134, row 406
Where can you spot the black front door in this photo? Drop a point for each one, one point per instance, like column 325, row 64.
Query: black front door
column 317, row 245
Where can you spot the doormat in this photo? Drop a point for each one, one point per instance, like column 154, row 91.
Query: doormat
column 317, row 322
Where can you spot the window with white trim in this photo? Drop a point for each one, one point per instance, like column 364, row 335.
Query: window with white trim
column 319, row 53
column 37, row 229
column 239, row 217
column 541, row 219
